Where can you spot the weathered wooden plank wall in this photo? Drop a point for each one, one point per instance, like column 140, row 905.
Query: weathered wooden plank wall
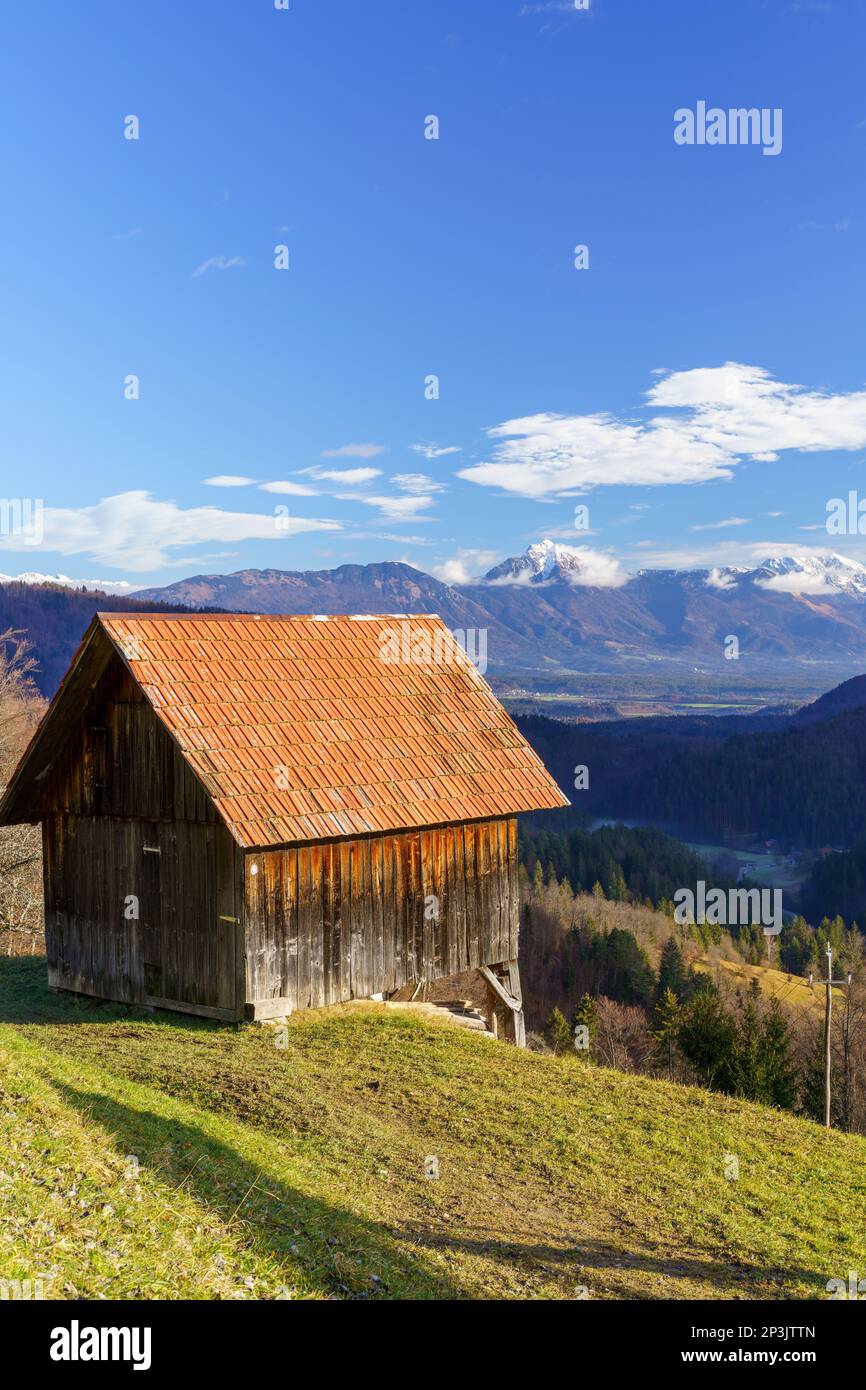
column 92, row 947
column 328, row 923
column 119, row 760
column 182, row 948
column 126, row 817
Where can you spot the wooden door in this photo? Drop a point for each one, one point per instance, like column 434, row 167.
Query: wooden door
column 194, row 920
column 150, row 907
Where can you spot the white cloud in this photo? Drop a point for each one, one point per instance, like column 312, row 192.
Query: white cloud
column 394, row 508
column 719, row 579
column 464, row 566
column 561, row 455
column 354, row 451
column 744, row 554
column 229, row 480
column 416, row 482
column 287, row 489
column 724, row 414
column 348, row 477
column 721, row 525
column 134, row 531
column 218, row 263
column 813, row 584
column 547, row 7
column 746, row 412
column 435, row 451
column 394, row 537
column 597, row 569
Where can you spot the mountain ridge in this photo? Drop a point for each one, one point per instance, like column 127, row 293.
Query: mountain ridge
column 539, row 614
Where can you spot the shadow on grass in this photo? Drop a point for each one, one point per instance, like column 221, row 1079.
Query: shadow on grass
column 338, row 1251
column 589, row 1255
column 26, row 998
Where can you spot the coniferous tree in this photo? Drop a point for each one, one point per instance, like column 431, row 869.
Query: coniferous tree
column 617, row 889
column 666, row 1032
column 707, row 1038
column 748, row 1060
column 585, row 1016
column 778, row 1070
column 795, row 947
column 672, row 971
column 627, row 974
column 558, row 1033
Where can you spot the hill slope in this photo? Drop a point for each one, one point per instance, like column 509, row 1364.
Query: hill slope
column 798, row 783
column 159, row 1157
column 849, row 695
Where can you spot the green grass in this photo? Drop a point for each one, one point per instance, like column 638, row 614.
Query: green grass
column 298, row 1171
column 791, row 990
column 766, row 869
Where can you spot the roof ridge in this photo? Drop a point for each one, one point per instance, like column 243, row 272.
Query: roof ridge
column 136, row 616
column 298, row 734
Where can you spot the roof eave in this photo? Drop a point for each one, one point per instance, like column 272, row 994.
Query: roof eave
column 8, row 814
column 276, row 846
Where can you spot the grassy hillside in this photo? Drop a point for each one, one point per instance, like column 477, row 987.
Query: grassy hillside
column 298, row 1171
column 792, row 990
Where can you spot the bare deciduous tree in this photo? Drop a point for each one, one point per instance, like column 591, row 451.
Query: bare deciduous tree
column 20, row 846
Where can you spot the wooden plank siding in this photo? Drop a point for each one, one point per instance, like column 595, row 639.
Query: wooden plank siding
column 119, row 760
column 124, row 816
column 181, row 949
column 388, row 909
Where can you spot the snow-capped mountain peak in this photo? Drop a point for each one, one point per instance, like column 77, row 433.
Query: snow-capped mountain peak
column 828, row 574
column 540, row 562
column 105, row 586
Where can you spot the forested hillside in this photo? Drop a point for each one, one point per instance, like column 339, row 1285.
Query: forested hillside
column 837, row 887
column 676, row 1000
column 801, row 785
column 631, row 864
column 54, row 619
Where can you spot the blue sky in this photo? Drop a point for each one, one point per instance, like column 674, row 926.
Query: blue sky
column 410, row 257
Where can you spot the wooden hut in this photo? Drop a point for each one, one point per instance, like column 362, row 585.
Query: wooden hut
column 243, row 816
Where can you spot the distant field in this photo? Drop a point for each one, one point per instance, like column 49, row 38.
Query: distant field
column 768, row 870
column 775, row 984
column 598, row 695
column 563, row 704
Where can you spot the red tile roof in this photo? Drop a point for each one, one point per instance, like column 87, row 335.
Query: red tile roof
column 320, row 727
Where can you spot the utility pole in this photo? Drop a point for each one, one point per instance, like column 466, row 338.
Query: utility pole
column 828, row 1015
